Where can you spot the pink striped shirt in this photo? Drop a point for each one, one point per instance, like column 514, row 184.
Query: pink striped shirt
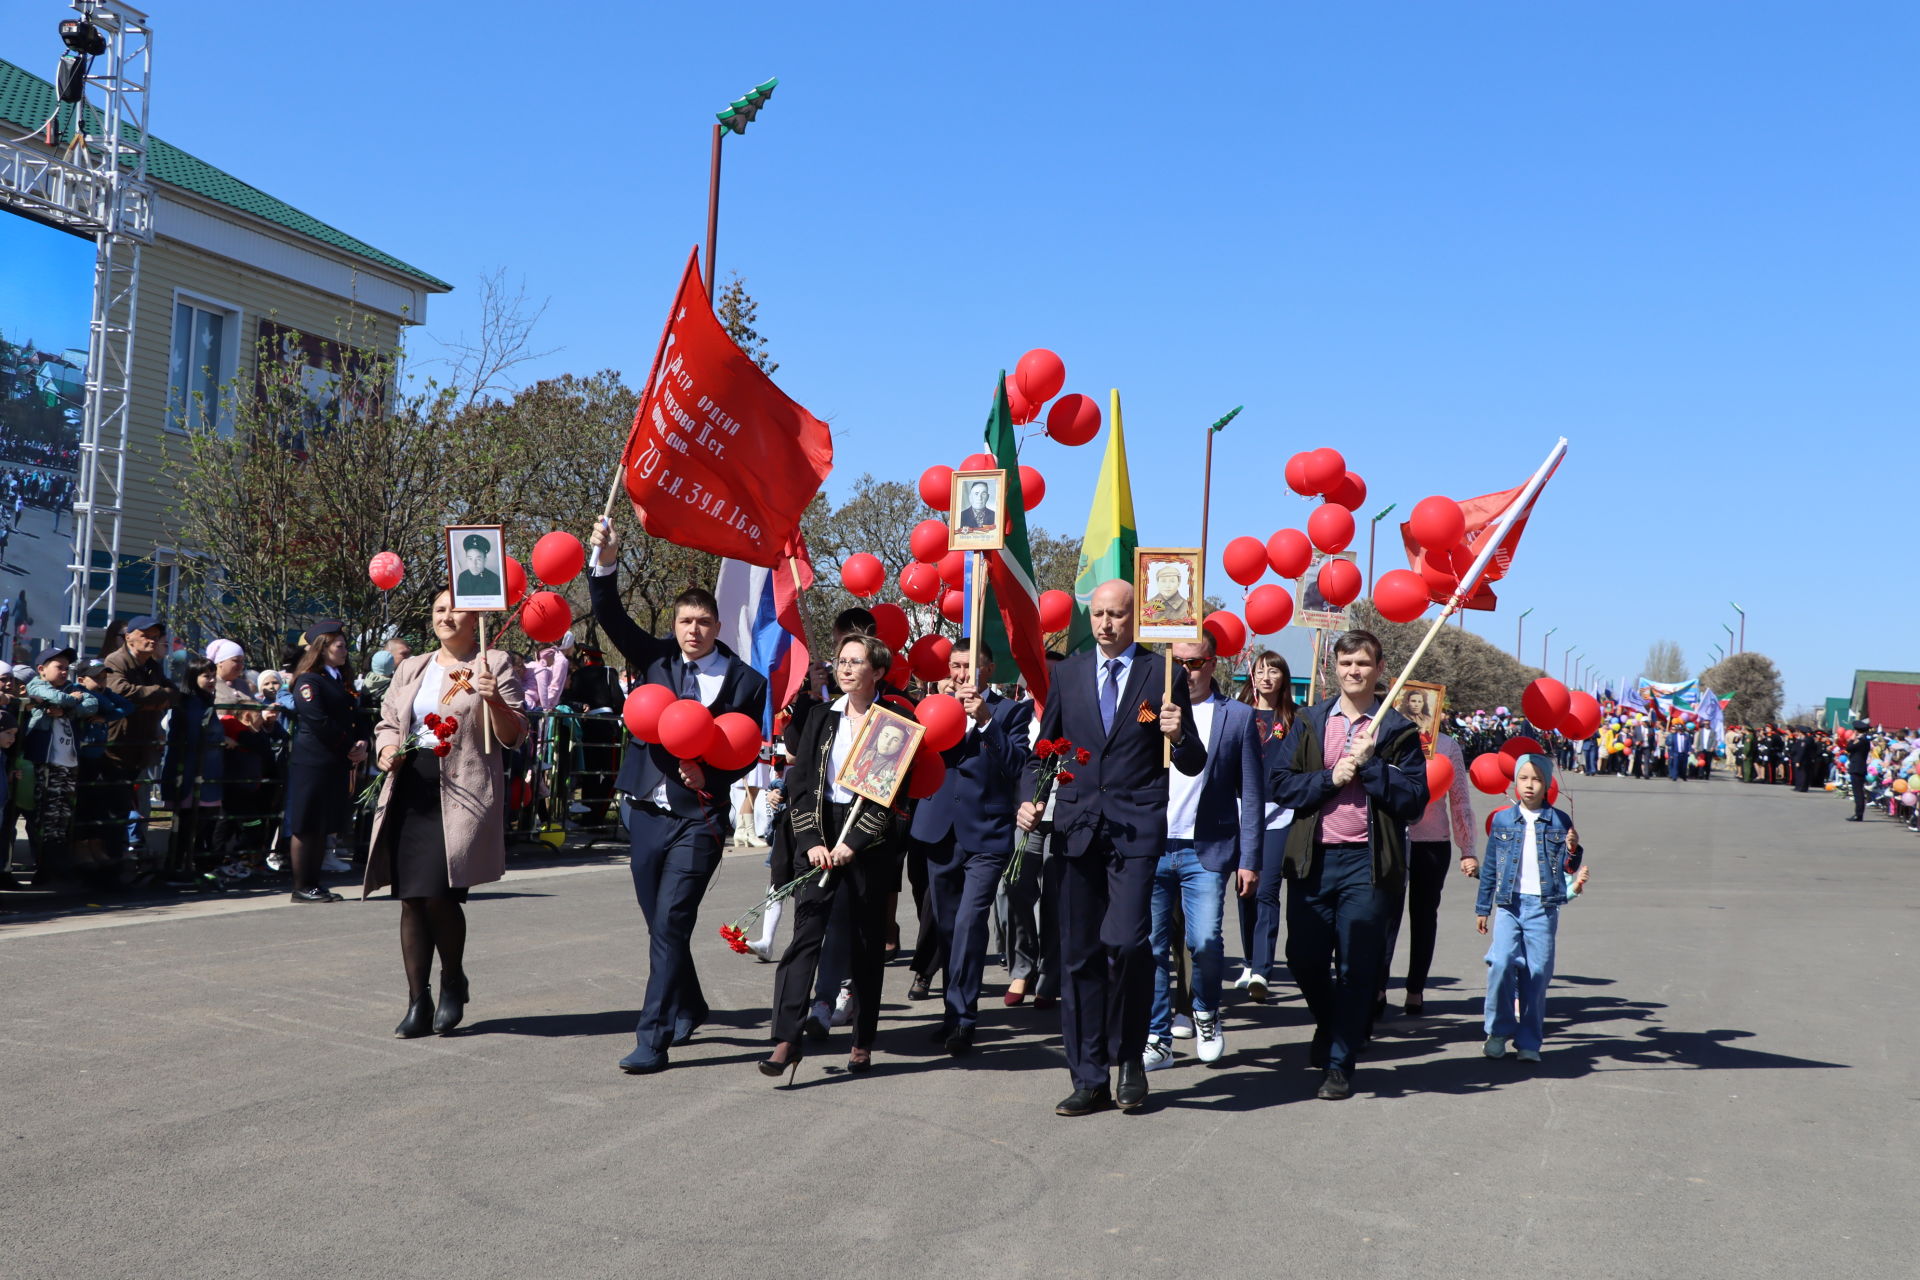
column 1343, row 820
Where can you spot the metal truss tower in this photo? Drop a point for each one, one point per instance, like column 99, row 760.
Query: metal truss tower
column 96, row 185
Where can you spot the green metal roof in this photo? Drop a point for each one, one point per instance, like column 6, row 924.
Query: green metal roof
column 26, row 100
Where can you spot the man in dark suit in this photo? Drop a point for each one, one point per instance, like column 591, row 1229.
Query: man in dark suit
column 1110, row 827
column 1214, row 826
column 677, row 810
column 1679, row 749
column 1354, row 778
column 965, row 833
column 978, row 516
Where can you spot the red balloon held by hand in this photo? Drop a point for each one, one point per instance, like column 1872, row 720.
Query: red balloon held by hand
column 1033, row 487
column 1040, row 374
column 1323, row 469
column 1056, row 610
column 1245, row 560
column 386, row 570
column 643, row 708
column 1289, row 553
column 1228, row 632
column 558, row 558
column 1439, row 776
column 928, row 541
column 1350, row 492
column 1074, row 419
column 862, row 573
column 936, row 486
column 1330, row 527
column 516, row 581
column 1437, row 523
column 686, row 728
column 945, row 719
column 889, row 624
column 1339, row 582
column 920, row 583
column 1400, row 595
column 1269, row 608
column 736, row 741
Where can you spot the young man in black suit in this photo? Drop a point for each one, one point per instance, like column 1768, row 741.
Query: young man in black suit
column 1110, row 827
column 677, row 810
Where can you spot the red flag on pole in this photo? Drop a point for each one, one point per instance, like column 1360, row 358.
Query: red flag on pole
column 1483, row 515
column 720, row 459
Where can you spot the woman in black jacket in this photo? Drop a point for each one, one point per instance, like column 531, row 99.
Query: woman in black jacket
column 326, row 747
column 861, row 860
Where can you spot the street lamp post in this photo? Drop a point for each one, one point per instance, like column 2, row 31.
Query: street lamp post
column 734, row 119
column 1729, row 631
column 1566, row 662
column 1543, row 646
column 1373, row 527
column 1716, row 654
column 1743, row 627
column 1519, row 629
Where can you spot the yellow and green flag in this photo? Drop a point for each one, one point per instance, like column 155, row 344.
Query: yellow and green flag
column 1107, row 550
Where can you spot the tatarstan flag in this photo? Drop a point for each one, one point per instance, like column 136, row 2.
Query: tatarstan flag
column 1107, row 550
column 1011, row 623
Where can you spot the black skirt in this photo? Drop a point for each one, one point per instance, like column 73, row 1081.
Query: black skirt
column 416, row 842
column 319, row 799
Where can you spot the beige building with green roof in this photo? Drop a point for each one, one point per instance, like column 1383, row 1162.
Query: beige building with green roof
column 227, row 266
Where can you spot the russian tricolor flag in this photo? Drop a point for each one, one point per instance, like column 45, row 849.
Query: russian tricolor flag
column 760, row 622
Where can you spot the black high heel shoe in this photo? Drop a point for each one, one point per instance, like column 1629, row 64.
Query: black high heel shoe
column 788, row 1066
column 453, row 1004
column 859, row 1060
column 419, row 1019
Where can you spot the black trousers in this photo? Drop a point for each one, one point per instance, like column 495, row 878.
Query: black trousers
column 672, row 860
column 1337, row 922
column 1859, row 781
column 928, row 959
column 1427, row 864
column 960, row 892
column 869, row 882
column 1106, row 962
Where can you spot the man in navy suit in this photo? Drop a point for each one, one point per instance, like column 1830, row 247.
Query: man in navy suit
column 1214, row 826
column 965, row 833
column 1110, row 827
column 1679, row 750
column 677, row 811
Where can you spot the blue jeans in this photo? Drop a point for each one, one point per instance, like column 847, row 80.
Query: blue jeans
column 1520, row 964
column 1202, row 902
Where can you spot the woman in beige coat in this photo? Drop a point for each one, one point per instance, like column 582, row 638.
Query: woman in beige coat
column 441, row 824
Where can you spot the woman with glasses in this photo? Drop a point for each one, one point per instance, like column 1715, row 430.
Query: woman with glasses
column 858, row 860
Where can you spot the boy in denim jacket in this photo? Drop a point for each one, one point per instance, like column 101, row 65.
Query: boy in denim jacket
column 1526, row 876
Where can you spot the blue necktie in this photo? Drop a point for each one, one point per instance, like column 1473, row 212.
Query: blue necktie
column 1110, row 695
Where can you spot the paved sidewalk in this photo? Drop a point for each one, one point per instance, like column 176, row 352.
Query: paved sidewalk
column 1729, row 1090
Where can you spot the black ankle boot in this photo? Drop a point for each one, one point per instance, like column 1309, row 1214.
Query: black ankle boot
column 453, row 1004
column 419, row 1019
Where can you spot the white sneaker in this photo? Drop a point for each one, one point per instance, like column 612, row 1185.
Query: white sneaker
column 1211, row 1039
column 336, row 865
column 1240, row 983
column 1182, row 1027
column 275, row 862
column 1159, row 1054
column 843, row 1008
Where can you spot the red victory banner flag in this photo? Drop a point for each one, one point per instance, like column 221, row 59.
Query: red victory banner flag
column 720, row 459
column 1483, row 515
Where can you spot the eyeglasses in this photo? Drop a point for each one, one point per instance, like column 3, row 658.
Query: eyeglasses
column 852, row 663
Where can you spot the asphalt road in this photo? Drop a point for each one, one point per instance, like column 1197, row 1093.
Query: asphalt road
column 1729, row 1090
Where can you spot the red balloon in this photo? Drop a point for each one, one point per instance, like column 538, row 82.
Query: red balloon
column 929, row 771
column 1400, row 595
column 545, row 617
column 1583, row 716
column 1339, row 582
column 736, row 741
column 928, row 541
column 1441, row 584
column 898, row 671
column 1330, row 527
column 1486, row 774
column 928, row 657
column 1289, row 553
column 862, row 573
column 1349, row 492
column 1074, row 419
column 920, row 583
column 1545, row 703
column 953, row 568
column 643, row 708
column 1515, row 747
column 945, row 718
column 1228, row 632
column 1459, row 559
column 1439, row 776
column 1245, row 560
column 978, row 462
column 953, row 607
column 516, row 581
column 386, row 570
column 1323, row 469
column 1507, row 765
column 1296, row 474
column 558, row 558
column 936, row 486
column 1553, row 790
column 1056, row 610
column 1020, row 409
column 1437, row 523
column 1040, row 375
column 686, row 728
column 1496, row 813
column 1268, row 609
column 1033, row 487
column 889, row 624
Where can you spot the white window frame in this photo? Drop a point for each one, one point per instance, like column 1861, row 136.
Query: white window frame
column 233, row 315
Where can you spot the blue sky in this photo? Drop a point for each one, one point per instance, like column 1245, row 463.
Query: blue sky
column 1435, row 237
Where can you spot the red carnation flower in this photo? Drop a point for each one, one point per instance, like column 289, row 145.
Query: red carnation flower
column 443, row 731
column 432, row 721
column 450, row 723
column 1063, row 776
column 442, row 749
column 1043, row 748
column 1084, row 756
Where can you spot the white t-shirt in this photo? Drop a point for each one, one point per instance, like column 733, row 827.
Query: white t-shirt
column 1530, row 854
column 1183, row 790
column 426, row 699
column 842, row 745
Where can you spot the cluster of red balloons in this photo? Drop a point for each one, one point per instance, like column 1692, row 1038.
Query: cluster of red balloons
column 1548, row 704
column 1037, row 378
column 1439, row 526
column 1492, row 771
column 689, row 731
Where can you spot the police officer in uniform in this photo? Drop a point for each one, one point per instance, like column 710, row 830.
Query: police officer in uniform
column 326, row 747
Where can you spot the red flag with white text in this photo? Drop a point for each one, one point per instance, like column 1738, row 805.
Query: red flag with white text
column 1482, row 514
column 720, row 459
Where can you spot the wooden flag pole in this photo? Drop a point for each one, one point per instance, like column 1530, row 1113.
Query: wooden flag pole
column 1488, row 545
column 826, row 874
column 486, row 712
column 1166, row 689
column 975, row 598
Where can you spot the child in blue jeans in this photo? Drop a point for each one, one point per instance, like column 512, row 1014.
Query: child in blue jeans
column 1527, row 875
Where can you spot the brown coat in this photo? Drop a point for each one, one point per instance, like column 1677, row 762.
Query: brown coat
column 472, row 782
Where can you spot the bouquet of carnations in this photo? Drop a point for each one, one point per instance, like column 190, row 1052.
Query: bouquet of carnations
column 736, row 933
column 1054, row 756
column 435, row 734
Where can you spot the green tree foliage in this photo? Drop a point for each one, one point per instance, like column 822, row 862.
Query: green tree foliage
column 1755, row 684
column 738, row 313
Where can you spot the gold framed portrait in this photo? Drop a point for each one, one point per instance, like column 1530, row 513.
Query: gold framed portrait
column 882, row 756
column 976, row 511
column 1169, row 600
column 1423, row 704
